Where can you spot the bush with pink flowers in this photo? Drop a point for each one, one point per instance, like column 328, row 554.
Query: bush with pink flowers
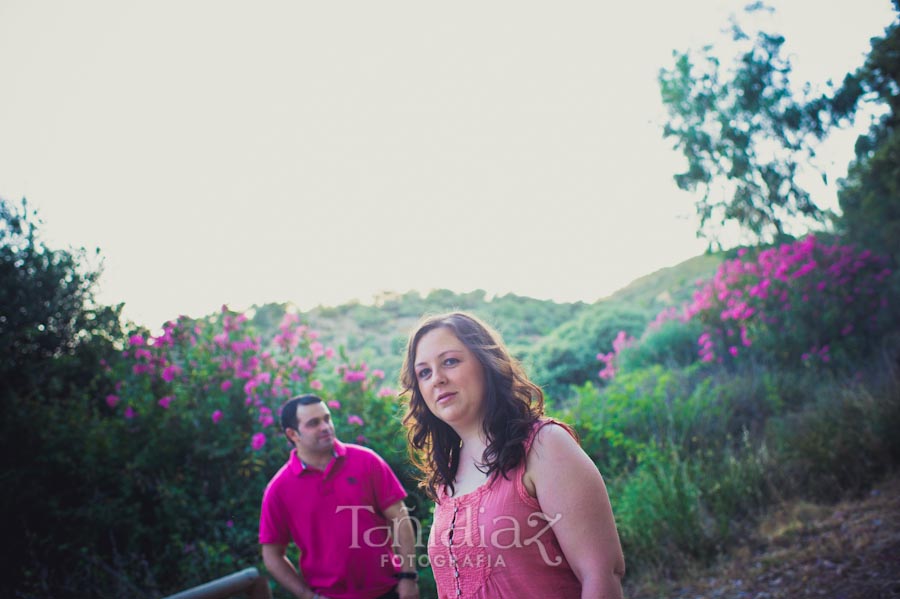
column 807, row 302
column 193, row 415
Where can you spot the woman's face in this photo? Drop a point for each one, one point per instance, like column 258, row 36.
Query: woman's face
column 450, row 379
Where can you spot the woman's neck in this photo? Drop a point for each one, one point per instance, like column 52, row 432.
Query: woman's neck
column 473, row 443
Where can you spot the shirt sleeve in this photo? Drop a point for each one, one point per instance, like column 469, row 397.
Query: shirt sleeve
column 385, row 483
column 273, row 528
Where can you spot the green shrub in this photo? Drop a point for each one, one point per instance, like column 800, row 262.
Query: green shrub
column 568, row 357
column 673, row 344
column 840, row 443
column 660, row 516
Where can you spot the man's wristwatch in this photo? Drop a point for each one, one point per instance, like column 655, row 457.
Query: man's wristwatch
column 407, row 575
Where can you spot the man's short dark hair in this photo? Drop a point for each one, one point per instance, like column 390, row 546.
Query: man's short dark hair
column 289, row 409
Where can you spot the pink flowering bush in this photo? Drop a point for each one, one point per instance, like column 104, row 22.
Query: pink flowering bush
column 193, row 415
column 609, row 359
column 804, row 303
column 807, row 303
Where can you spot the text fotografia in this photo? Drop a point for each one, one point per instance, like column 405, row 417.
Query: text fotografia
column 506, row 533
column 481, row 560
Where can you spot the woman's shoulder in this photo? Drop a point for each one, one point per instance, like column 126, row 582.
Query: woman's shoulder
column 553, row 432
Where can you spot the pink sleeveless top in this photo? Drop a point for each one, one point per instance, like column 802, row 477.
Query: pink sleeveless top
column 496, row 543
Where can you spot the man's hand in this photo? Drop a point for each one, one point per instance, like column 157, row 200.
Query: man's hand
column 408, row 588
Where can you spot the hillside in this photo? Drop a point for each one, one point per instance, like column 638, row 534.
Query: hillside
column 668, row 286
column 376, row 333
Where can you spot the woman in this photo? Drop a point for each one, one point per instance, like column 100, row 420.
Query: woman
column 521, row 511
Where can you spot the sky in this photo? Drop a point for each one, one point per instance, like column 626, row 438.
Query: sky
column 221, row 152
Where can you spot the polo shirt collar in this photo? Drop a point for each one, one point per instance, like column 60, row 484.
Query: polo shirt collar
column 298, row 466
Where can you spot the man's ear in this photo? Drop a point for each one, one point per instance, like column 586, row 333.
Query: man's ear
column 292, row 434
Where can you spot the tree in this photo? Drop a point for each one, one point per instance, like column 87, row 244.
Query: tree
column 52, row 338
column 746, row 132
column 870, row 194
column 48, row 302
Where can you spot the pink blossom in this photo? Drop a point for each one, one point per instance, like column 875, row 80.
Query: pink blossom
column 258, row 441
column 129, row 412
column 334, row 404
column 315, row 385
column 226, row 385
column 165, row 401
column 354, row 419
column 265, row 415
column 136, row 340
column 361, row 439
column 329, row 352
column 354, row 376
column 217, row 416
column 170, row 372
column 112, row 400
column 302, row 363
column 229, row 523
column 378, row 373
column 386, row 392
column 733, row 351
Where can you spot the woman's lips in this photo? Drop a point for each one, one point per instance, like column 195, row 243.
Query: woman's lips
column 445, row 396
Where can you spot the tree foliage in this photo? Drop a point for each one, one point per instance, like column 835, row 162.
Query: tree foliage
column 48, row 300
column 870, row 194
column 52, row 337
column 748, row 135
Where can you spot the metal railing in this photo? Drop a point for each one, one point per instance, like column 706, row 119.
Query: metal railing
column 246, row 581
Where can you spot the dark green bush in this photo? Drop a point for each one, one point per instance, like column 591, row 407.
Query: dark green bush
column 842, row 442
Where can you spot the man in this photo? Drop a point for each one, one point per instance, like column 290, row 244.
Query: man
column 342, row 506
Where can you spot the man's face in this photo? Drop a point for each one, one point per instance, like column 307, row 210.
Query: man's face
column 315, row 429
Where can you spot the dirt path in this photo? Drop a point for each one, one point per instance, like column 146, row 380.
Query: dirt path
column 846, row 551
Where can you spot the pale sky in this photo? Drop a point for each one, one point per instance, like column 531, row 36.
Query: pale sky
column 318, row 152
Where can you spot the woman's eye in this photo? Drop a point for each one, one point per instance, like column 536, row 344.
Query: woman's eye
column 451, row 361
column 424, row 372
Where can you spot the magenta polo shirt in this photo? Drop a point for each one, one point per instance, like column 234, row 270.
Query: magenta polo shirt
column 335, row 519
